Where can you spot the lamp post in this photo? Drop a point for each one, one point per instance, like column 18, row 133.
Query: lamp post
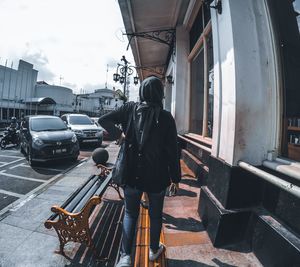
column 123, row 71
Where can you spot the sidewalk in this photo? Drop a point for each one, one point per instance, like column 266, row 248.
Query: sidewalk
column 24, row 241
column 187, row 241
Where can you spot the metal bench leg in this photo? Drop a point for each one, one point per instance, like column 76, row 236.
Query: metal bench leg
column 73, row 226
column 117, row 188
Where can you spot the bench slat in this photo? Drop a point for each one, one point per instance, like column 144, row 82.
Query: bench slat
column 96, row 190
column 104, row 185
column 91, row 192
column 70, row 205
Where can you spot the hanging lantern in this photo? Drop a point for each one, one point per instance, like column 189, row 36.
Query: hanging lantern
column 116, row 77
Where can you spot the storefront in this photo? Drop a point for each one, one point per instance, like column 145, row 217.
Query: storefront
column 231, row 74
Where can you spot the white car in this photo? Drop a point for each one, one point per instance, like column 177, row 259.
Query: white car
column 84, row 128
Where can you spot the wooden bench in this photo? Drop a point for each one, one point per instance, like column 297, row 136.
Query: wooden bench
column 71, row 219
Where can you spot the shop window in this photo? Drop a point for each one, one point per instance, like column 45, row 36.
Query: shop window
column 286, row 19
column 4, row 114
column 11, row 113
column 197, row 93
column 196, row 29
column 210, row 65
column 201, row 75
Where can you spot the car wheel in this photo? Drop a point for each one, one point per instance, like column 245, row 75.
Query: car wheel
column 3, row 143
column 74, row 159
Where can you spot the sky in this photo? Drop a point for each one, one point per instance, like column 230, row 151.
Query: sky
column 69, row 42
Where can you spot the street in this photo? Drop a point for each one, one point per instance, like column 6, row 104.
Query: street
column 19, row 181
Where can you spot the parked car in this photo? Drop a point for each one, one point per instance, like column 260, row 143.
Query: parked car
column 46, row 138
column 105, row 133
column 85, row 129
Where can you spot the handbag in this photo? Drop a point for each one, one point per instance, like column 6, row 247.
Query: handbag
column 121, row 168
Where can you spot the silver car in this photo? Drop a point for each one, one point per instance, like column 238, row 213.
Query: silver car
column 84, row 128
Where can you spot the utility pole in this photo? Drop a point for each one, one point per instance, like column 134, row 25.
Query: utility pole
column 106, row 75
column 8, row 91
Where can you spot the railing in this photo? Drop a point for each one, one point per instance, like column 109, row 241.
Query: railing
column 284, row 166
column 284, row 185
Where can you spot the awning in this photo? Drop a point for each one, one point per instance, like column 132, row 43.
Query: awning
column 150, row 27
column 40, row 100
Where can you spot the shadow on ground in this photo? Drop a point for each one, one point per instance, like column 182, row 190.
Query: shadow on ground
column 182, row 224
column 106, row 230
column 190, row 182
column 187, row 263
column 192, row 263
column 186, row 193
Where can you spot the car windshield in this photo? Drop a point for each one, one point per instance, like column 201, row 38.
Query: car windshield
column 47, row 124
column 82, row 120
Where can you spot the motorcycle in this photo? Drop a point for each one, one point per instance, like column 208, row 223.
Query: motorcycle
column 11, row 136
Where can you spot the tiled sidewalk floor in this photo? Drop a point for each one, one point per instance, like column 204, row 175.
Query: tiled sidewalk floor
column 24, row 241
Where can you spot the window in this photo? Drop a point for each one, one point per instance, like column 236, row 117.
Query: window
column 47, row 124
column 80, row 120
column 286, row 19
column 202, row 74
column 197, row 93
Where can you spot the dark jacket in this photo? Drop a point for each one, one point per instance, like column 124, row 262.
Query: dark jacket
column 153, row 168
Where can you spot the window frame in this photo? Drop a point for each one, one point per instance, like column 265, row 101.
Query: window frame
column 201, row 43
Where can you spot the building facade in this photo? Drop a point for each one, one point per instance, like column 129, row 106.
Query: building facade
column 16, row 87
column 231, row 73
column 20, row 93
column 104, row 100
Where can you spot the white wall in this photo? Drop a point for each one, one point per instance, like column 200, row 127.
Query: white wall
column 180, row 90
column 61, row 95
column 16, row 85
column 245, row 105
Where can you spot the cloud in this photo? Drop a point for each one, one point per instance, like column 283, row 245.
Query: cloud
column 89, row 87
column 40, row 63
column 77, row 45
column 112, row 62
column 72, row 86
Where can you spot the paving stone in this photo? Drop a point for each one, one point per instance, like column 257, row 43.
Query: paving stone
column 37, row 250
column 59, row 196
column 37, row 210
column 187, row 241
column 72, row 181
column 43, row 230
column 22, row 223
column 11, row 237
column 207, row 255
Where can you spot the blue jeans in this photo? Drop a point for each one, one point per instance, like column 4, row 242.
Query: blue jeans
column 132, row 198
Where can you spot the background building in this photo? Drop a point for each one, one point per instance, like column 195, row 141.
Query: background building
column 21, row 93
column 62, row 96
column 16, row 86
column 233, row 89
column 101, row 101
